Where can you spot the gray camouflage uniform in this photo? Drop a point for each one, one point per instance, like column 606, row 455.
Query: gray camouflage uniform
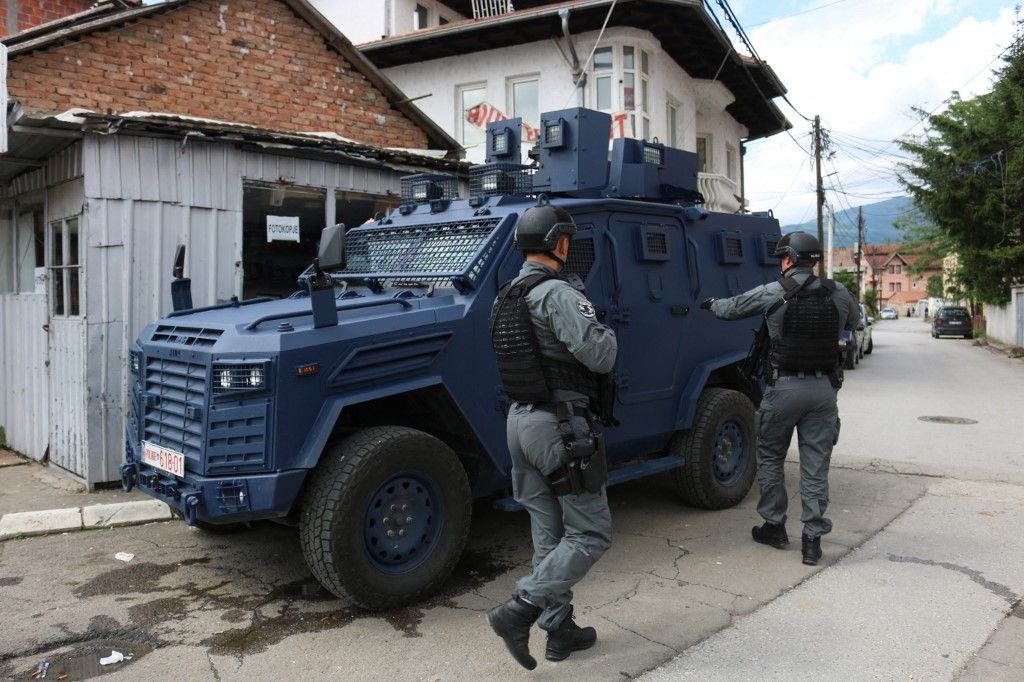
column 571, row 532
column 807, row 403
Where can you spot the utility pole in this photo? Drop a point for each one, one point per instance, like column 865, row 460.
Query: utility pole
column 831, row 239
column 860, row 245
column 820, row 187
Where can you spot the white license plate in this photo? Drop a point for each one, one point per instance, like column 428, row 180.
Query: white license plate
column 164, row 459
column 955, row 322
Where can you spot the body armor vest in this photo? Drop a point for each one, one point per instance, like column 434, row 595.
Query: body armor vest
column 810, row 329
column 527, row 375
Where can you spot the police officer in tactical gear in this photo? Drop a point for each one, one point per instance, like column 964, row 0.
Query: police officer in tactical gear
column 804, row 315
column 554, row 357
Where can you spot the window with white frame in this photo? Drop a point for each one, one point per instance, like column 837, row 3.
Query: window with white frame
column 65, row 268
column 672, row 124
column 703, row 154
column 467, row 97
column 630, row 66
column 604, row 66
column 730, row 162
column 523, row 99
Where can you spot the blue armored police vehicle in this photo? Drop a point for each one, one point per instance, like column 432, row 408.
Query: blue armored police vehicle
column 367, row 407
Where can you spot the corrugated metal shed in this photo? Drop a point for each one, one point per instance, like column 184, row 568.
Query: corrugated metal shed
column 143, row 197
column 24, row 396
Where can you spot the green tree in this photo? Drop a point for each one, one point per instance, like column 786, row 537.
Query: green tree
column 847, row 279
column 967, row 177
column 935, row 287
column 871, row 300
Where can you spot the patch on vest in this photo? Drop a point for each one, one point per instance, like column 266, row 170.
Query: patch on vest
column 586, row 309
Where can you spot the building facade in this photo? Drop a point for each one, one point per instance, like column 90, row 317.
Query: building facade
column 663, row 70
column 138, row 129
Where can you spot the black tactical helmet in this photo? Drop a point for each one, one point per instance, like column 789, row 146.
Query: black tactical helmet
column 799, row 246
column 540, row 227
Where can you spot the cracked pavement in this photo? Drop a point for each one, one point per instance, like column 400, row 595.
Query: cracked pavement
column 242, row 605
column 676, row 582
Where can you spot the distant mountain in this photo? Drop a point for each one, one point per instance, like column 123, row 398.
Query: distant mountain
column 878, row 219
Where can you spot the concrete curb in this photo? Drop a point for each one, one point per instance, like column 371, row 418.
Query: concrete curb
column 48, row 521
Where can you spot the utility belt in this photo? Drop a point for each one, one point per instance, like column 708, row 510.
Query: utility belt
column 834, row 375
column 586, row 465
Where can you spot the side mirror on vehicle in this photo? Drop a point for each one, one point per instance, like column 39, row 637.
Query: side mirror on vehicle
column 332, row 247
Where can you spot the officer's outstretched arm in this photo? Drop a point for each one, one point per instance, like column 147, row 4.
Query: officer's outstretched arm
column 574, row 321
column 753, row 302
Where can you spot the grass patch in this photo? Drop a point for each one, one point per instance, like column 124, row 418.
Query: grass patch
column 3, row 438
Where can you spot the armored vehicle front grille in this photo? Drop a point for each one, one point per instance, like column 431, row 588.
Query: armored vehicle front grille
column 186, row 336
column 174, row 396
column 237, row 437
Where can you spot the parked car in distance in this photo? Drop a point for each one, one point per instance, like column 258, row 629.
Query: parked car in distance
column 889, row 313
column 952, row 321
column 866, row 343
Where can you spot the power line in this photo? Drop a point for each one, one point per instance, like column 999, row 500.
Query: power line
column 797, row 14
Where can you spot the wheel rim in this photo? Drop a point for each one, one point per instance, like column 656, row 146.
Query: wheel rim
column 403, row 522
column 730, row 452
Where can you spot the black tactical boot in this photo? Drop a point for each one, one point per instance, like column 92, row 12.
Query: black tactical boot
column 512, row 622
column 771, row 534
column 811, row 550
column 567, row 638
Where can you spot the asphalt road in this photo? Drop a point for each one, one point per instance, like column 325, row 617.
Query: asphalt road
column 919, row 563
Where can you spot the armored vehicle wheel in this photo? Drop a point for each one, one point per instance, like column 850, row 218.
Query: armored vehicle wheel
column 718, row 451
column 386, row 516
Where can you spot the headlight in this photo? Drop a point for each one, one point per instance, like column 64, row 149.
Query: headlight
column 490, row 182
column 239, row 378
column 134, row 362
column 420, row 191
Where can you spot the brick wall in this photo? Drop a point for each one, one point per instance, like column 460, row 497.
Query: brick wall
column 34, row 12
column 248, row 61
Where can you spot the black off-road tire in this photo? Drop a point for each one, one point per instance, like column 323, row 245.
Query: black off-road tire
column 696, row 481
column 351, row 472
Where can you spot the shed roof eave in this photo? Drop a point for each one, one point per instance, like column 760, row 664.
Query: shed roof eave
column 58, row 32
column 170, row 125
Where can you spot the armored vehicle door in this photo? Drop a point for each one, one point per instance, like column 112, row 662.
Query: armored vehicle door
column 652, row 304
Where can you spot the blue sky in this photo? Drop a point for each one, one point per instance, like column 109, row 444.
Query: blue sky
column 861, row 65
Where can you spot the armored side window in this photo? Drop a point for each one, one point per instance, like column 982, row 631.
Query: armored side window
column 581, row 256
column 730, row 247
column 767, row 244
column 652, row 243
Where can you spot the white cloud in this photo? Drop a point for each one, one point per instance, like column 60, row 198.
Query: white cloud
column 862, row 66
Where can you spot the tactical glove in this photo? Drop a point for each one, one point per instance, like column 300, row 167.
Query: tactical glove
column 706, row 303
